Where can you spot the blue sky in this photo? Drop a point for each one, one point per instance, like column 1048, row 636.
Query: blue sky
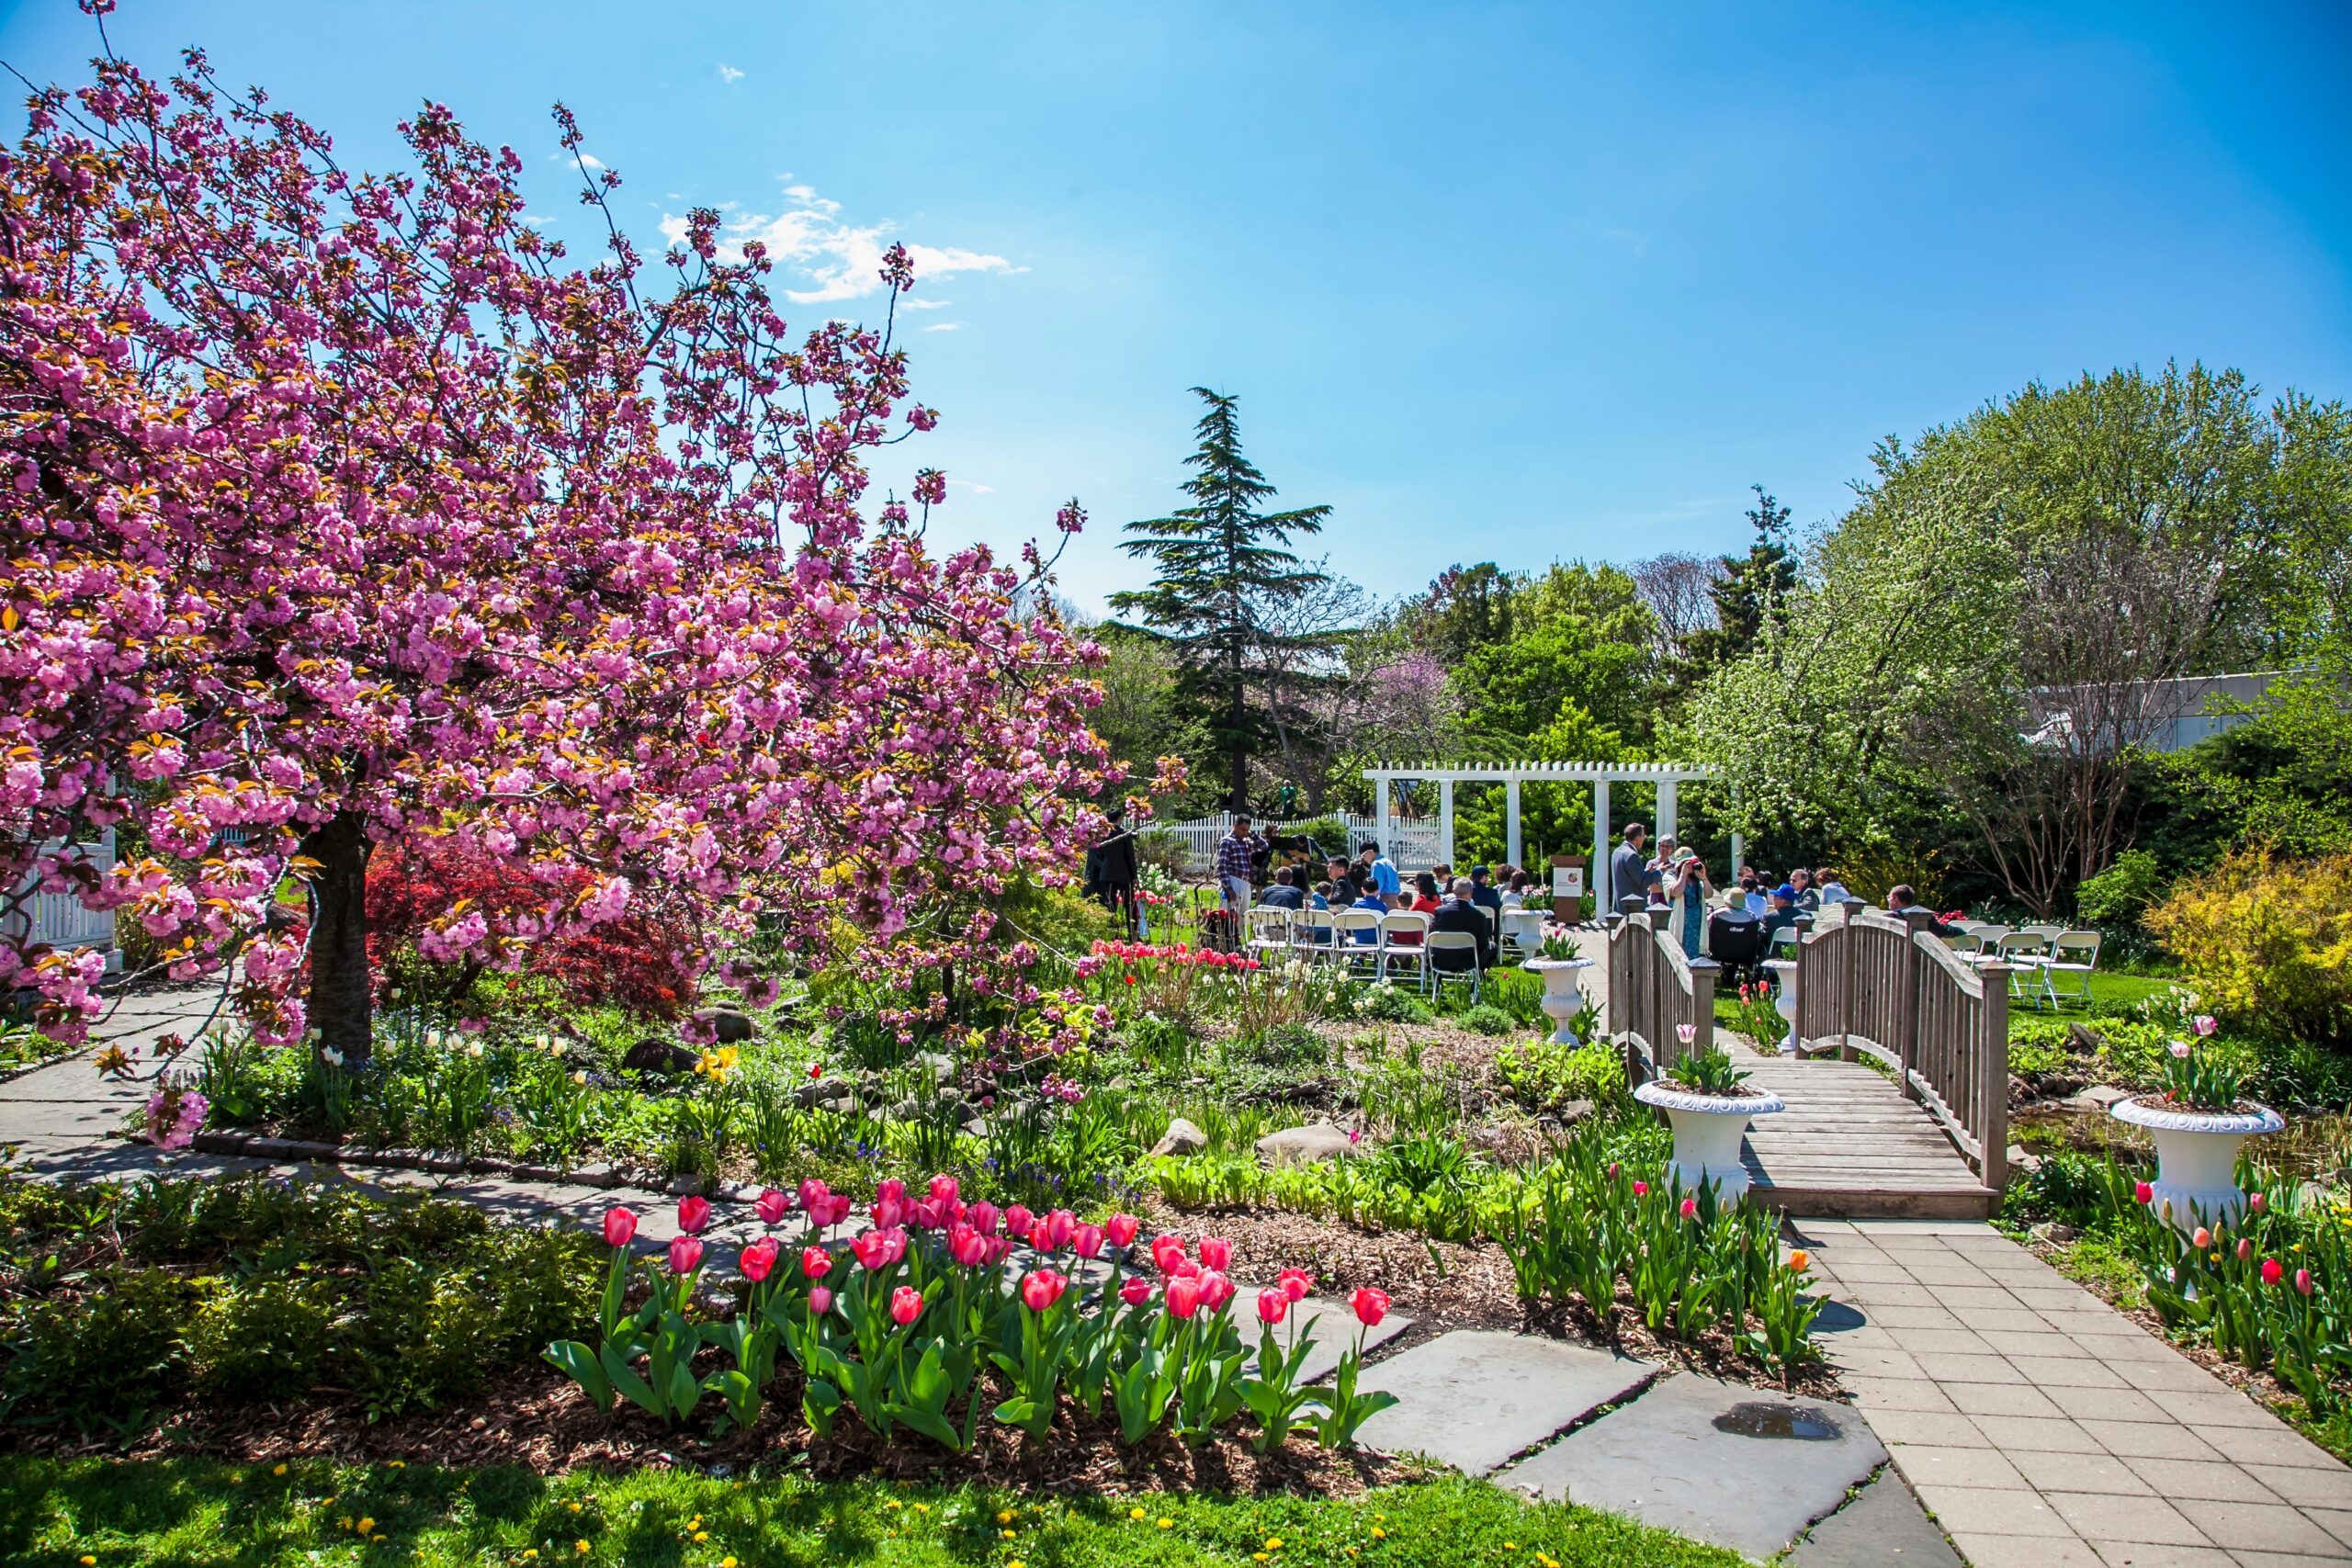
column 1508, row 282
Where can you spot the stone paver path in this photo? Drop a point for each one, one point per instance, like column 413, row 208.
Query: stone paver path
column 1473, row 1399
column 2045, row 1431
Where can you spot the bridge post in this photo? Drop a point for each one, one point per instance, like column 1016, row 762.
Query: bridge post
column 1993, row 1078
column 1703, row 1002
column 1906, row 1000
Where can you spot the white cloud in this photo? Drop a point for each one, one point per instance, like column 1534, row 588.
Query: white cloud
column 729, row 74
column 587, row 161
column 944, row 327
column 976, row 489
column 838, row 260
column 927, row 304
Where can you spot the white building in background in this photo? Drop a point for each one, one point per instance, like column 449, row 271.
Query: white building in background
column 2157, row 715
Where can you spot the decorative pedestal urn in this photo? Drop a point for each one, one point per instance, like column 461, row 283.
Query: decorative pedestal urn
column 1707, row 1131
column 1785, row 998
column 1524, row 929
column 2197, row 1157
column 1561, row 1001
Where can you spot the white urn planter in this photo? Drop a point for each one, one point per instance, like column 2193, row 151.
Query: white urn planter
column 1707, row 1131
column 1561, row 1001
column 2197, row 1157
column 1784, row 1000
column 1524, row 928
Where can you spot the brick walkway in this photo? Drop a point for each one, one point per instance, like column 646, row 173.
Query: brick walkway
column 2045, row 1431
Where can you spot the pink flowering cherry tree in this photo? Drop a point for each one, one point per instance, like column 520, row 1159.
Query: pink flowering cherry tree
column 343, row 507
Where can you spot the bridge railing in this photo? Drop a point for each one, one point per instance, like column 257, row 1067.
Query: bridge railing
column 1653, row 990
column 1872, row 984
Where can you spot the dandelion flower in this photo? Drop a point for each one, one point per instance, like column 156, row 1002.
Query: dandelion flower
column 1136, row 1514
column 278, row 1469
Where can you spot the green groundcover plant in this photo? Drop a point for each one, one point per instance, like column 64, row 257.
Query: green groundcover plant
column 202, row 1514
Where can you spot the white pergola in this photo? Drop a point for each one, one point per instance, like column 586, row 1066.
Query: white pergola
column 1666, row 777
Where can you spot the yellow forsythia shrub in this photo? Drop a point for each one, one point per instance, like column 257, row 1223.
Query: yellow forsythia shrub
column 2268, row 942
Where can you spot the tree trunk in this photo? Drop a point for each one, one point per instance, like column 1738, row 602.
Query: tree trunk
column 342, row 1002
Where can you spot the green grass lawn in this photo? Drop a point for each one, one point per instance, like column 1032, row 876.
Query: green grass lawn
column 203, row 1512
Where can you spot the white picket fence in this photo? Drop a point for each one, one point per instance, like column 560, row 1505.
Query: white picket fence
column 1412, row 845
column 58, row 919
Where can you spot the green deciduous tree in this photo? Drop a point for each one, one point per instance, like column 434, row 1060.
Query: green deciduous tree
column 1223, row 574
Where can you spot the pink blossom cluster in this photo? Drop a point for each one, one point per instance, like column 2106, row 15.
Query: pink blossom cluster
column 340, row 506
column 174, row 1115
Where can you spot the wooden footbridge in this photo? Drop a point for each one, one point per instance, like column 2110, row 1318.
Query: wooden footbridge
column 1897, row 1094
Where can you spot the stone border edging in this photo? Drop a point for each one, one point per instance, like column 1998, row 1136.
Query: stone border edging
column 251, row 1145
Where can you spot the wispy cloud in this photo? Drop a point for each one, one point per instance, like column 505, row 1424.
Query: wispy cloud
column 587, row 160
column 729, row 74
column 976, row 489
column 928, row 304
column 944, row 327
column 838, row 259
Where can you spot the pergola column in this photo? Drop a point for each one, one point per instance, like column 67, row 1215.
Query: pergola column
column 1666, row 802
column 1384, row 784
column 1446, row 822
column 1511, row 846
column 1604, row 894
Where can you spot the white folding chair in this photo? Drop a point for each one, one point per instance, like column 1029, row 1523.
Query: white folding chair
column 2024, row 953
column 1268, row 933
column 1356, row 949
column 1450, row 942
column 1395, row 954
column 2071, row 953
column 1315, row 934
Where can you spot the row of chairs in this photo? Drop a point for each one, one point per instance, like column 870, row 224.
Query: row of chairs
column 2035, row 956
column 1365, row 944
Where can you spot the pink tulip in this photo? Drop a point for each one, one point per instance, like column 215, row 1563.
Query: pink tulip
column 814, row 1261
column 1087, row 1241
column 1037, row 1236
column 772, row 1205
column 1641, row 1189
column 1689, row 1208
column 2303, row 1281
column 982, row 1217
column 1167, row 1251
column 686, row 1255
column 2272, row 1271
column 1272, row 1306
column 1217, row 1252
column 2200, row 1239
column 924, row 1215
column 1216, row 1290
column 1295, row 1284
column 1613, row 1169
column 1058, row 1227
column 2246, row 1249
column 1042, row 1289
column 2256, row 1202
column 944, row 1189
column 891, row 1189
column 820, row 1301
column 1369, row 1305
column 759, row 1258
column 2142, row 1192
column 1183, row 1297
column 693, row 1214
column 887, row 1213
column 1686, row 1032
column 2205, row 1023
column 812, row 1191
column 1136, row 1289
column 872, row 1250
column 906, row 1305
column 1016, row 1219
column 1121, row 1229
column 620, row 1226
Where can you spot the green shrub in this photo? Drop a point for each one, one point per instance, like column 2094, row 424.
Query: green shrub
column 264, row 1340
column 1485, row 1019
column 114, row 1351
column 2121, row 894
column 2268, row 942
column 1391, row 1003
column 2039, row 1046
column 1545, row 1076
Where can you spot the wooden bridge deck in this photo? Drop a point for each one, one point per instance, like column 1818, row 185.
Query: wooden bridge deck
column 1850, row 1146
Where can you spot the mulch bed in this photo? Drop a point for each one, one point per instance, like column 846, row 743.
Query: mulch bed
column 1444, row 1286
column 538, row 1420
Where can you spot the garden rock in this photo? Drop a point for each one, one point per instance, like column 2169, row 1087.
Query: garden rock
column 2098, row 1096
column 1306, row 1145
column 662, row 1057
column 1181, row 1138
column 943, row 1067
column 1724, row 1464
column 726, row 1025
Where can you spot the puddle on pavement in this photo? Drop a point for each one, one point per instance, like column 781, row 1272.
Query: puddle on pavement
column 1759, row 1418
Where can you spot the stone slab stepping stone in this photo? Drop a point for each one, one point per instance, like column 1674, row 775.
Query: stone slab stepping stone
column 1335, row 1327
column 1721, row 1462
column 1884, row 1527
column 1472, row 1399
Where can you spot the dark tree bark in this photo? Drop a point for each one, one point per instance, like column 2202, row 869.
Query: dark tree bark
column 342, row 1004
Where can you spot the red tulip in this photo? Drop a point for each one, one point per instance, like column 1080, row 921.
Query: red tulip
column 772, row 1205
column 1271, row 1305
column 1641, row 1189
column 924, row 1215
column 686, row 1255
column 1058, row 1227
column 1135, row 1291
column 1613, row 1169
column 1016, row 1219
column 1370, row 1305
column 906, row 1305
column 1217, row 1252
column 821, row 1300
column 1039, row 1236
column 2272, row 1271
column 811, row 1190
column 1087, row 1241
column 982, row 1217
column 759, row 1258
column 1121, row 1229
column 1216, row 1290
column 1167, row 1251
column 693, row 1214
column 967, row 1246
column 1295, row 1284
column 1042, row 1289
column 831, row 1210
column 891, row 1189
column 872, row 1250
column 2142, row 1192
column 814, row 1261
column 944, row 1189
column 1183, row 1297
column 887, row 1213
column 1689, row 1208
column 620, row 1226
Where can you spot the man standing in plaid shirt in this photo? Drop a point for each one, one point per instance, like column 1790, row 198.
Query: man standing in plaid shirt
column 1233, row 854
